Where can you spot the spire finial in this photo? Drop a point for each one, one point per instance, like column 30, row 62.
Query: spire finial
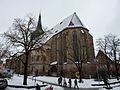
column 39, row 25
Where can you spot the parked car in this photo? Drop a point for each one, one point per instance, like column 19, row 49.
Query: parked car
column 3, row 83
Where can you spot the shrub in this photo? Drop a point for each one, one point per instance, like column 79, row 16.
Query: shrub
column 5, row 75
column 100, row 74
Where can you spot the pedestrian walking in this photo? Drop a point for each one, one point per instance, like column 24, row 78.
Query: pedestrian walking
column 60, row 80
column 105, row 80
column 70, row 82
column 75, row 83
column 64, row 82
column 37, row 87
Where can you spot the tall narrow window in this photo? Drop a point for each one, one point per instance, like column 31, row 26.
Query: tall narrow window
column 64, row 48
column 75, row 47
column 37, row 58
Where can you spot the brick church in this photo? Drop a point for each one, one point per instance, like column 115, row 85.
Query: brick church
column 67, row 45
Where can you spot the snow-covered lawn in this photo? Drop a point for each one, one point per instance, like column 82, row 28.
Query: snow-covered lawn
column 86, row 82
column 17, row 80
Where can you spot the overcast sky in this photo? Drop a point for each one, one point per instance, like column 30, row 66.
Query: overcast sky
column 99, row 16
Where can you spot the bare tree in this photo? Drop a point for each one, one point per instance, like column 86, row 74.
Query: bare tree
column 103, row 45
column 114, row 43
column 110, row 46
column 24, row 36
column 75, row 50
column 4, row 49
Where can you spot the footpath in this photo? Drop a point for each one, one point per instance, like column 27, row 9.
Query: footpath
column 65, row 88
column 45, row 83
column 96, row 88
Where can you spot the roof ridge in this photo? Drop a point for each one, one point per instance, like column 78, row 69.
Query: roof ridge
column 65, row 23
column 79, row 19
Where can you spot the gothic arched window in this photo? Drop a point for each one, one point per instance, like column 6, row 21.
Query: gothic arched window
column 64, row 48
column 75, row 47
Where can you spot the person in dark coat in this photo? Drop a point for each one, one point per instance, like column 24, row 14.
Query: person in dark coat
column 60, row 80
column 69, row 81
column 105, row 80
column 75, row 83
column 64, row 82
column 37, row 87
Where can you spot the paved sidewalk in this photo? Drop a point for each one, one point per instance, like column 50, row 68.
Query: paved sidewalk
column 66, row 88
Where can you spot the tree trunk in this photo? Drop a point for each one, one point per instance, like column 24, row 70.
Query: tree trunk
column 108, row 70
column 25, row 69
column 80, row 79
column 80, row 72
column 116, row 68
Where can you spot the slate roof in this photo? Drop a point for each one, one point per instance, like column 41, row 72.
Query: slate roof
column 102, row 54
column 71, row 21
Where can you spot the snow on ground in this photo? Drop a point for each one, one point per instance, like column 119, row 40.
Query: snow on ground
column 17, row 80
column 86, row 82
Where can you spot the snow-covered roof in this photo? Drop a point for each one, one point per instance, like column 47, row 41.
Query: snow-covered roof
column 71, row 21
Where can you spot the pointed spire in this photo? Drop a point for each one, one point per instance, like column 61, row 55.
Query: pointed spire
column 39, row 31
column 39, row 25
